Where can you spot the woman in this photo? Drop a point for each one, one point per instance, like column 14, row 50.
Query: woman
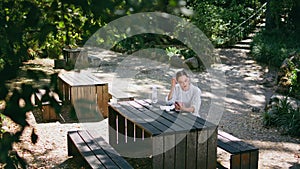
column 184, row 94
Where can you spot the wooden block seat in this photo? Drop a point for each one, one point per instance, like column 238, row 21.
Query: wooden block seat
column 121, row 96
column 48, row 112
column 243, row 155
column 86, row 92
column 95, row 151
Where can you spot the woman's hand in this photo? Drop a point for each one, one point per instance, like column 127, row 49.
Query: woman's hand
column 173, row 83
column 178, row 106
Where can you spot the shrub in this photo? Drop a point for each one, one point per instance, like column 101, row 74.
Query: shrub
column 283, row 116
column 273, row 47
column 217, row 20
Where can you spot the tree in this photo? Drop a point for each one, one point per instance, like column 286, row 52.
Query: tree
column 294, row 17
column 17, row 20
column 280, row 14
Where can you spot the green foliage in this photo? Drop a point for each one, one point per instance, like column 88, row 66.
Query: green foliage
column 295, row 82
column 217, row 18
column 2, row 118
column 47, row 26
column 295, row 77
column 144, row 41
column 172, row 50
column 284, row 116
column 16, row 19
column 278, row 13
column 2, row 63
column 273, row 47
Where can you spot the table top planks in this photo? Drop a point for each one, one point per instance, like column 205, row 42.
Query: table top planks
column 156, row 121
column 80, row 79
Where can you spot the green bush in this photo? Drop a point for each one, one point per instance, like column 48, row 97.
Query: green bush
column 295, row 79
column 2, row 63
column 284, row 116
column 273, row 47
column 217, row 20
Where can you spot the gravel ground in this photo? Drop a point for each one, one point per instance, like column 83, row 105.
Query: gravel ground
column 246, row 95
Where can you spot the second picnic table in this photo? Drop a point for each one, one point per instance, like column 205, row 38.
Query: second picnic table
column 139, row 128
column 86, row 92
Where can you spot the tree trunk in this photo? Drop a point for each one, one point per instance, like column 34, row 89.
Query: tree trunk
column 270, row 17
column 295, row 13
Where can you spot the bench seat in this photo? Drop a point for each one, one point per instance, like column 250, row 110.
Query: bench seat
column 95, row 151
column 121, row 96
column 48, row 112
column 243, row 155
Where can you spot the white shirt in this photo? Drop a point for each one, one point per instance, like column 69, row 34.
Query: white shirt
column 191, row 97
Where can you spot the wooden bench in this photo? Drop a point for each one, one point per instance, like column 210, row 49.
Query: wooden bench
column 95, row 151
column 120, row 96
column 243, row 155
column 86, row 92
column 48, row 112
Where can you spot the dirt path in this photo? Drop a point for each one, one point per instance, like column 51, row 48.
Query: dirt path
column 245, row 99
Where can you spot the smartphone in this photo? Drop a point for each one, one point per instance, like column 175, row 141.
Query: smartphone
column 176, row 105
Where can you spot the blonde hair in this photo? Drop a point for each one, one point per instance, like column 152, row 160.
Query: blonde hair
column 181, row 73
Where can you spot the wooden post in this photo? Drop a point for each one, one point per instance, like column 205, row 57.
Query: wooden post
column 191, row 153
column 180, row 159
column 202, row 149
column 103, row 99
column 49, row 113
column 157, row 149
column 169, row 151
column 245, row 160
column 235, row 161
column 254, row 160
column 121, row 130
column 130, row 132
column 112, row 127
column 212, row 148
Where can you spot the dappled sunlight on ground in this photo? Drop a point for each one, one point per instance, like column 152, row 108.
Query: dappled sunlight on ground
column 242, row 117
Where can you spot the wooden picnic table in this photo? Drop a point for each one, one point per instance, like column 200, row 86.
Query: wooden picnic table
column 169, row 139
column 87, row 93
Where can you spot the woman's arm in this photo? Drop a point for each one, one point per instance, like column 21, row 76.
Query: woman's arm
column 188, row 109
column 180, row 106
column 173, row 83
column 195, row 103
